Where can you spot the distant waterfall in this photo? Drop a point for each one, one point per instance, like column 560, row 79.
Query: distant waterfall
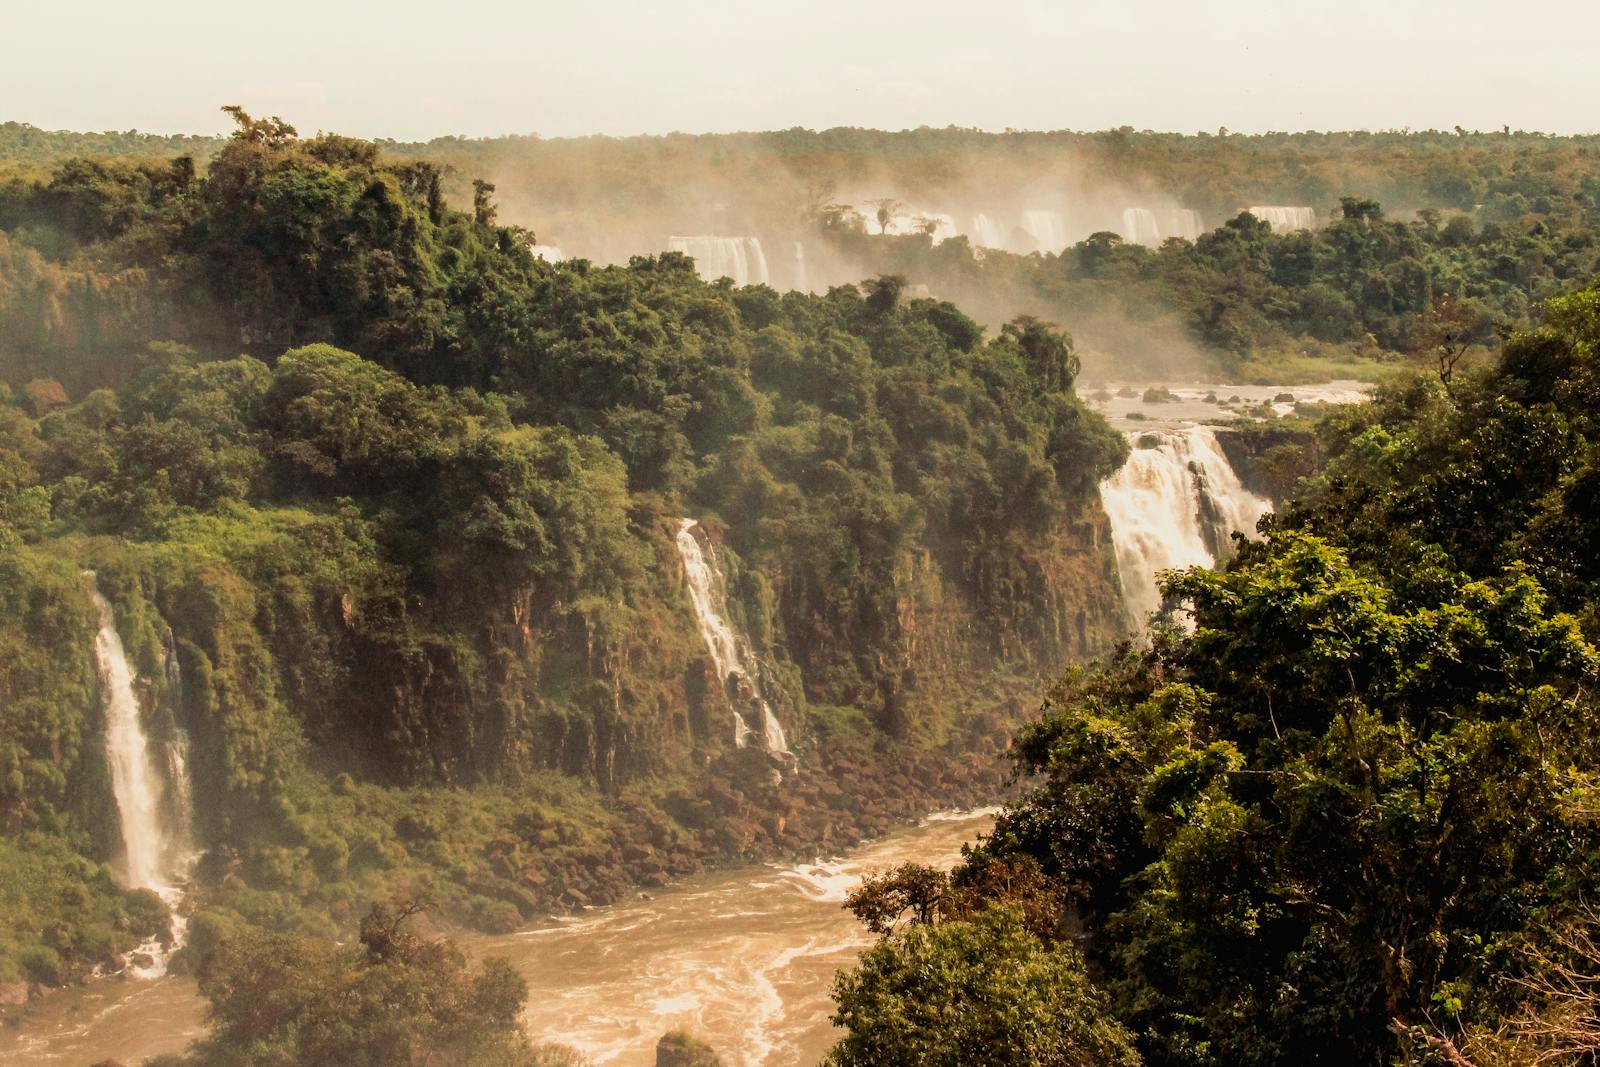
column 548, row 253
column 1139, row 226
column 1142, row 226
column 729, row 651
column 1184, row 222
column 1175, row 503
column 1047, row 228
column 986, row 233
column 739, row 258
column 154, row 822
column 1286, row 219
column 802, row 277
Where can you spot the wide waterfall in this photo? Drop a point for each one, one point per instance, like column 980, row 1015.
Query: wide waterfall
column 739, row 258
column 986, row 232
column 152, row 806
column 730, row 652
column 1047, row 228
column 1142, row 226
column 1175, row 503
column 1139, row 226
column 1183, row 222
column 1286, row 219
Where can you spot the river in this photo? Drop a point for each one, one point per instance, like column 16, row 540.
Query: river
column 744, row 959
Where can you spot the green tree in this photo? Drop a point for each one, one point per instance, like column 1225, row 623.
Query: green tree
column 396, row 999
column 979, row 991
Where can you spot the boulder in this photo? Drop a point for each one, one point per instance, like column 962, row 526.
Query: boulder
column 678, row 1049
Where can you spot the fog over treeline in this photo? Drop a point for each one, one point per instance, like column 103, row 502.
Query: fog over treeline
column 1105, row 233
column 807, row 196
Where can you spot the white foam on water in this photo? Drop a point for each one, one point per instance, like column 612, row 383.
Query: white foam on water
column 1174, row 499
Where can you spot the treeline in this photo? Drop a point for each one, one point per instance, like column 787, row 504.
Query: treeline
column 419, row 608
column 1274, row 305
column 1349, row 818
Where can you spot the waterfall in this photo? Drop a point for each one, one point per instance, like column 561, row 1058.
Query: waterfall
column 1286, row 219
column 548, row 253
column 739, row 258
column 1139, row 226
column 1175, row 503
column 802, row 277
column 1184, row 222
column 154, row 821
column 985, row 233
column 1047, row 228
column 1144, row 227
column 730, row 652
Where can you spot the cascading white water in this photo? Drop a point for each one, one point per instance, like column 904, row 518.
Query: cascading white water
column 1175, row 503
column 548, row 253
column 729, row 651
column 1139, row 226
column 1047, row 228
column 154, row 823
column 802, row 277
column 1286, row 219
column 1183, row 222
column 739, row 258
column 985, row 233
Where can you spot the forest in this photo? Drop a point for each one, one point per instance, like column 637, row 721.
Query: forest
column 1419, row 232
column 1348, row 817
column 419, row 611
column 389, row 514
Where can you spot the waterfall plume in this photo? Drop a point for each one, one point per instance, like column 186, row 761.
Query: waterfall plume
column 149, row 781
column 739, row 258
column 1175, row 503
column 1286, row 219
column 730, row 652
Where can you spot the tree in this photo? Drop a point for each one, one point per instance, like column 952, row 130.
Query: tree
column 1449, row 329
column 887, row 208
column 483, row 210
column 981, row 991
column 881, row 902
column 394, row 1000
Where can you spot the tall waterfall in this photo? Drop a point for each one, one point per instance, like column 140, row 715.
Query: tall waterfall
column 986, row 232
column 1175, row 503
column 1047, row 228
column 1286, row 219
column 1139, row 226
column 739, row 258
column 802, row 277
column 1184, row 222
column 154, row 819
column 730, row 652
column 1142, row 226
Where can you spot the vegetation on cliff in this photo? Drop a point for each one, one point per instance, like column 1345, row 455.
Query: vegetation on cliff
column 1349, row 818
column 404, row 570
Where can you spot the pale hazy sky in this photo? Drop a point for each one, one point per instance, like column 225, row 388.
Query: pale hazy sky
column 413, row 71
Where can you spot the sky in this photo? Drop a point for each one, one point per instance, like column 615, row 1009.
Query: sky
column 411, row 72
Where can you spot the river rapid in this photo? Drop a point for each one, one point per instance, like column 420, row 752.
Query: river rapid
column 743, row 959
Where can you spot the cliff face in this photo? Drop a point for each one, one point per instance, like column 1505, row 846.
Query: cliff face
column 285, row 680
column 516, row 683
column 1271, row 459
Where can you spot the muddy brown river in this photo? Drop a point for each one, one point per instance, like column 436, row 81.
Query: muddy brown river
column 743, row 959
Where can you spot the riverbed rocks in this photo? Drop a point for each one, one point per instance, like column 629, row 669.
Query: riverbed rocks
column 678, row 1049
